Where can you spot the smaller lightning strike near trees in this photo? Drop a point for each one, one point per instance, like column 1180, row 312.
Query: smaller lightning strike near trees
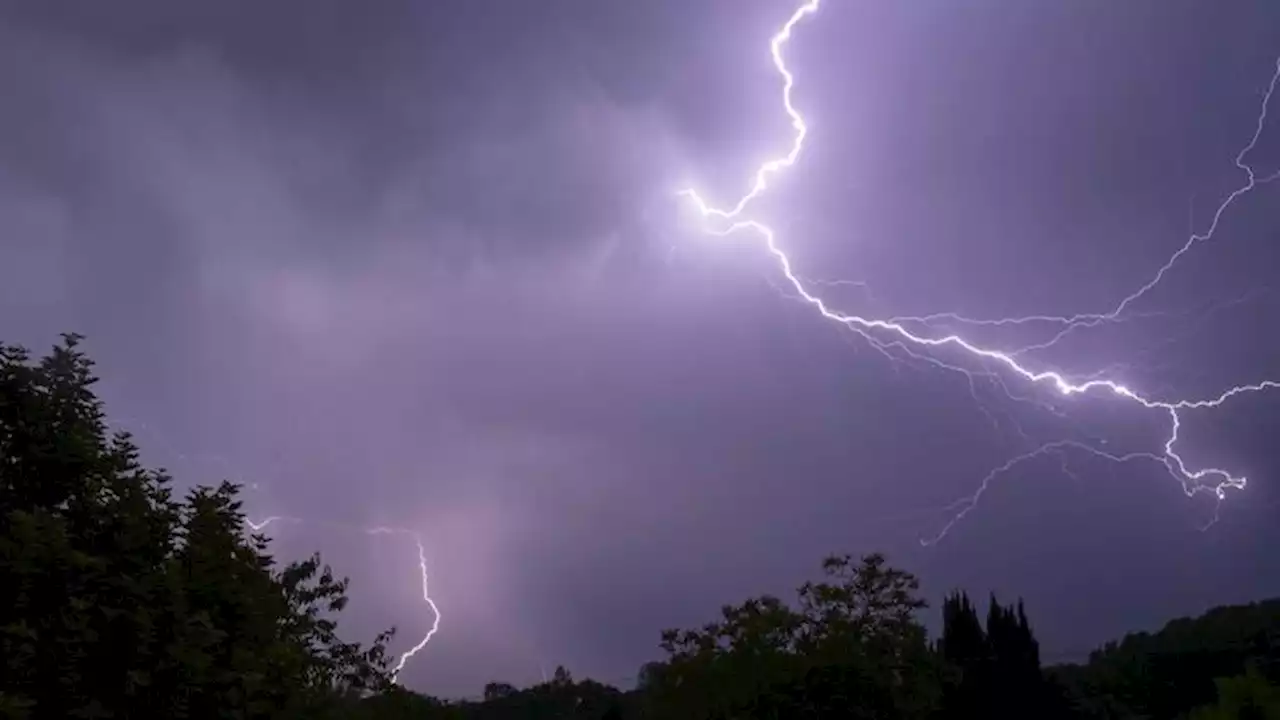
column 914, row 336
column 262, row 524
column 259, row 525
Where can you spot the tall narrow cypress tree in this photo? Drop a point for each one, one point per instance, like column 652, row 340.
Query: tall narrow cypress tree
column 996, row 663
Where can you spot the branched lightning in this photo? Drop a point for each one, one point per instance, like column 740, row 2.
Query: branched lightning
column 259, row 525
column 915, row 336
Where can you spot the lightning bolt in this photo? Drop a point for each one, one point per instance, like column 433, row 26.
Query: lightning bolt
column 159, row 438
column 913, row 336
column 260, row 525
column 426, row 596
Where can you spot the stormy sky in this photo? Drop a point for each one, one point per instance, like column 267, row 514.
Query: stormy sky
column 421, row 264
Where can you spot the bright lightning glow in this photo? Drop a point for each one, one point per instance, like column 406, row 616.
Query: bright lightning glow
column 426, row 596
column 259, row 525
column 893, row 332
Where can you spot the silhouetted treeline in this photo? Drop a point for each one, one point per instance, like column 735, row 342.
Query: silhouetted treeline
column 1183, row 666
column 119, row 601
column 1220, row 666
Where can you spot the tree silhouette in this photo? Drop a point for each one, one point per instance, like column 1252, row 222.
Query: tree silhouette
column 1172, row 671
column 120, row 601
column 996, row 669
column 1244, row 697
column 851, row 648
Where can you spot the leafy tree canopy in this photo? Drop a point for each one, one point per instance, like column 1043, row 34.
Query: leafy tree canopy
column 121, row 601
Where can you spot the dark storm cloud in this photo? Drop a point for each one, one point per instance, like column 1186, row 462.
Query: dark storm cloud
column 419, row 264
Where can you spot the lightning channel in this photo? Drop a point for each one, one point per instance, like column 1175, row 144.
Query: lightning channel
column 1121, row 310
column 426, row 595
column 915, row 336
column 156, row 436
column 405, row 657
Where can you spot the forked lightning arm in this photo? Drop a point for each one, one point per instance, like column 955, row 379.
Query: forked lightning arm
column 886, row 332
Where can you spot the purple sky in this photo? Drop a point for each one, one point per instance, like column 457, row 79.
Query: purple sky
column 420, row 264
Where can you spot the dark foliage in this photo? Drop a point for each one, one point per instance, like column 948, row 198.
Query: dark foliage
column 119, row 601
column 1167, row 673
column 997, row 670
